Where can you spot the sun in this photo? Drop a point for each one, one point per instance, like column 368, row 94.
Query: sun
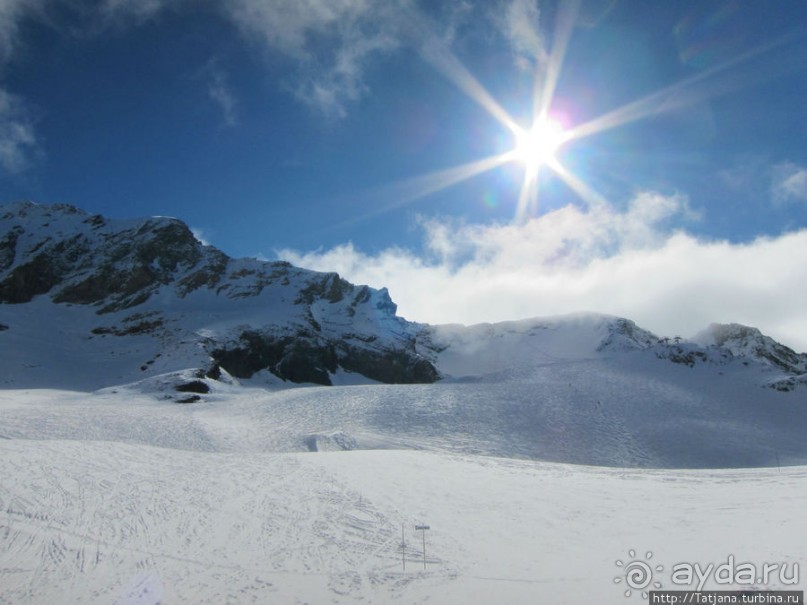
column 537, row 146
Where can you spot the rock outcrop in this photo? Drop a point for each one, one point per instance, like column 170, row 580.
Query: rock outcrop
column 152, row 278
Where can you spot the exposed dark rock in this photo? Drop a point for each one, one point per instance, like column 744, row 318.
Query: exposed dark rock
column 677, row 354
column 209, row 275
column 268, row 274
column 214, row 373
column 298, row 358
column 306, row 360
column 391, row 366
column 194, row 386
column 143, row 327
column 35, row 277
column 72, row 252
column 66, row 209
column 240, row 273
column 167, row 245
column 105, row 283
column 309, row 358
column 48, row 265
column 135, row 266
column 96, row 220
column 189, row 399
column 330, row 286
column 40, row 245
column 126, row 303
column 8, row 247
column 256, row 352
column 791, row 383
column 362, row 296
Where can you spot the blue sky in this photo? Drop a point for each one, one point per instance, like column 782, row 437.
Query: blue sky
column 339, row 134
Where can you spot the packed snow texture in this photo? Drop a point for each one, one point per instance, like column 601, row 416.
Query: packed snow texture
column 300, row 496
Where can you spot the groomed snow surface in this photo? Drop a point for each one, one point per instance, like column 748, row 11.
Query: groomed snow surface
column 299, row 496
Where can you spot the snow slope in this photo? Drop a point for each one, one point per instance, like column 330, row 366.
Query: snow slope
column 169, row 503
column 125, row 496
column 299, row 495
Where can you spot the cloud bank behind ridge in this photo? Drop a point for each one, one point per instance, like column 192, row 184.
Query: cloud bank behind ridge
column 628, row 263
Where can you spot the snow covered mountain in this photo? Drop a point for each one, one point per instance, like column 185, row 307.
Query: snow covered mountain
column 746, row 342
column 88, row 302
column 91, row 302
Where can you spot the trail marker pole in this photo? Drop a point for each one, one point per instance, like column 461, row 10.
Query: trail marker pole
column 423, row 529
column 403, row 547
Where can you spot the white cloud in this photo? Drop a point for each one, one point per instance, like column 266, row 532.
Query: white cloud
column 623, row 263
column 789, row 183
column 519, row 24
column 18, row 142
column 287, row 25
column 11, row 13
column 331, row 41
column 219, row 92
column 137, row 11
column 199, row 234
column 745, row 174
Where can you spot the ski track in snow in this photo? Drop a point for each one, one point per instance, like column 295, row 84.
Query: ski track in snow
column 126, row 497
column 102, row 522
column 224, row 527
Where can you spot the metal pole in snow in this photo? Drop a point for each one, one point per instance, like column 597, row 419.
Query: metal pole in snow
column 403, row 547
column 423, row 528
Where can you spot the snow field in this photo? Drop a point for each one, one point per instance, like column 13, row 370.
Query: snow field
column 104, row 522
column 125, row 497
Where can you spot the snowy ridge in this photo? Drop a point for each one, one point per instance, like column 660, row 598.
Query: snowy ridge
column 486, row 349
column 147, row 295
column 744, row 341
column 88, row 302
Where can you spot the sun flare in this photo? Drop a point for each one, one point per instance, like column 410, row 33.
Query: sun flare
column 537, row 146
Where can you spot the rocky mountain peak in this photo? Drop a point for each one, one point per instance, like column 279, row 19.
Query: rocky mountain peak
column 86, row 259
column 745, row 341
column 624, row 335
column 246, row 315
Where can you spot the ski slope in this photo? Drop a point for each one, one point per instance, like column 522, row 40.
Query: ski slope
column 105, row 522
column 299, row 496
